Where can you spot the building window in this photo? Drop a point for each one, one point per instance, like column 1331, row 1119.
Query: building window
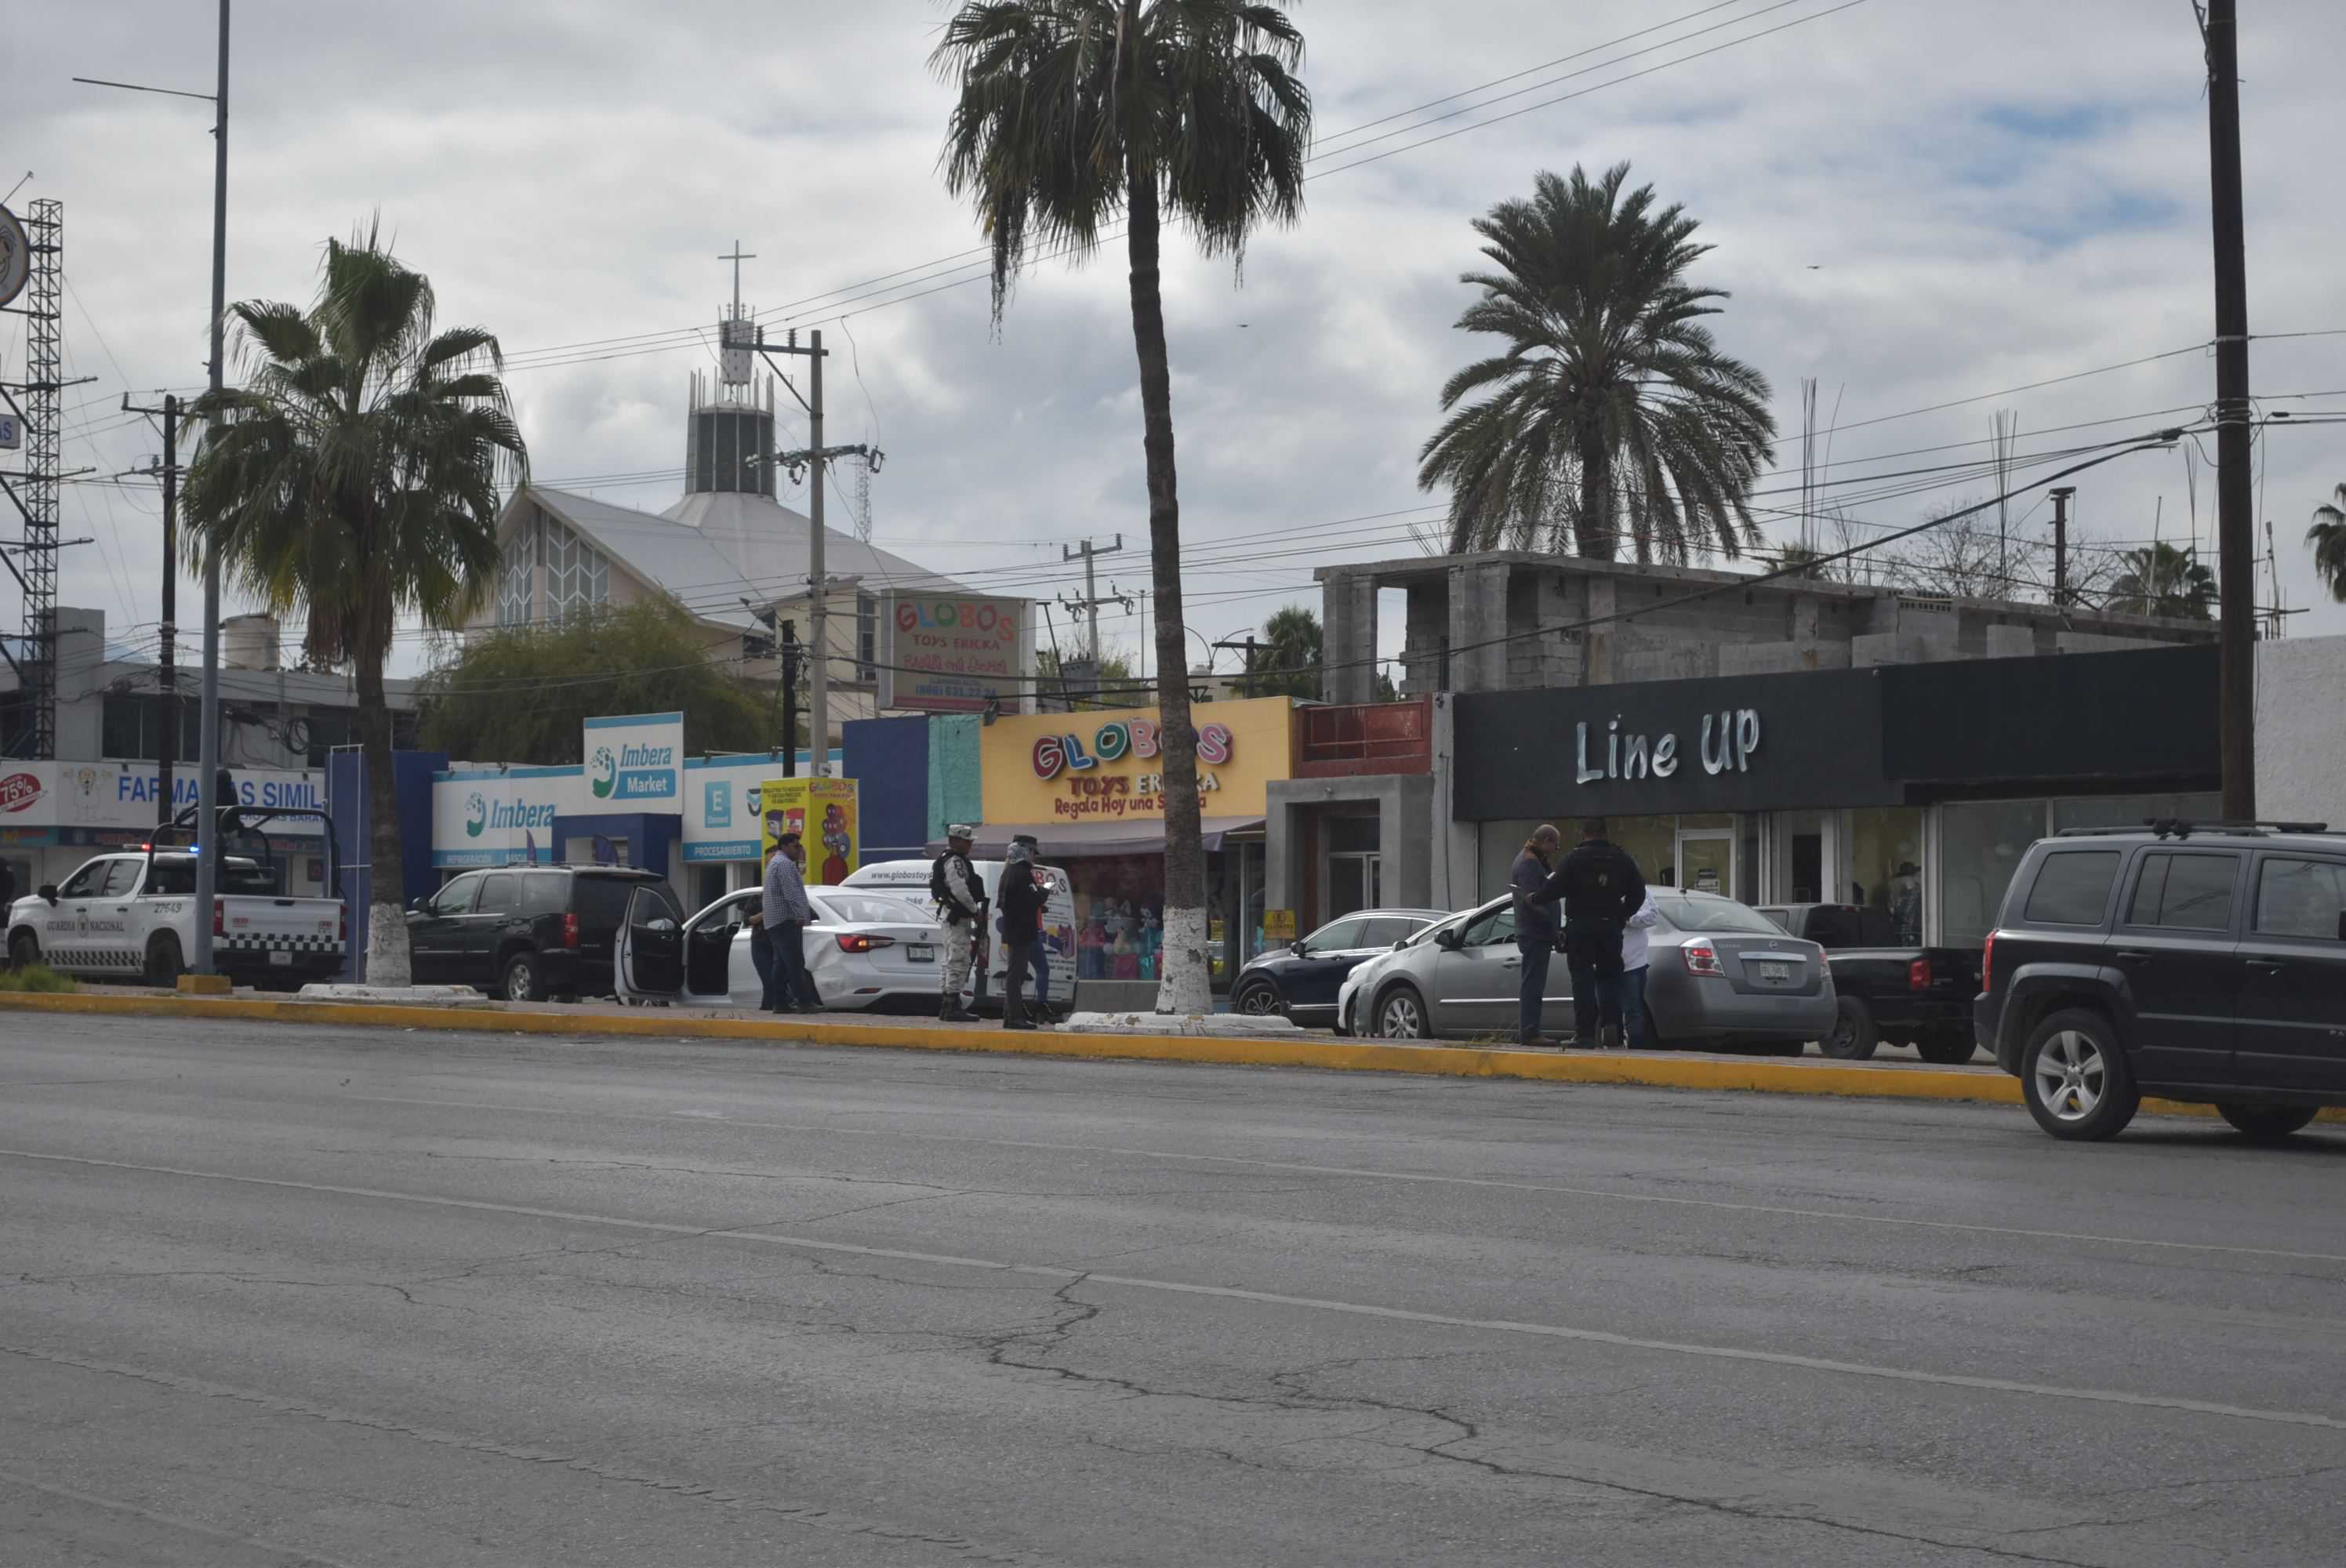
column 130, row 728
column 577, row 575
column 517, row 585
column 867, row 636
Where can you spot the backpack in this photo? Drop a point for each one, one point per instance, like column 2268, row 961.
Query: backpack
column 937, row 879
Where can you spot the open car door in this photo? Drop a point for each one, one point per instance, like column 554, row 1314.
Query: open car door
column 649, row 960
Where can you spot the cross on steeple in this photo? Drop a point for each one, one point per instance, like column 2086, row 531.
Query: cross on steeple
column 737, row 257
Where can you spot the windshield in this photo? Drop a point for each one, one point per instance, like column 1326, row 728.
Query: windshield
column 1716, row 915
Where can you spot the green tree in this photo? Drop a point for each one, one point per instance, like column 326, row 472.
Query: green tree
column 2328, row 537
column 1288, row 664
column 2161, row 580
column 1067, row 113
column 1611, row 407
column 354, row 478
column 523, row 695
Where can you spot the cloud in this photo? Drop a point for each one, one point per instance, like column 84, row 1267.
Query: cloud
column 1914, row 205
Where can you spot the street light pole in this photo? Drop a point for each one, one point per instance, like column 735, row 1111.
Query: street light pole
column 209, row 736
column 2235, row 497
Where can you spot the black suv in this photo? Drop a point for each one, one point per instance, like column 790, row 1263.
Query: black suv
column 2200, row 962
column 526, row 932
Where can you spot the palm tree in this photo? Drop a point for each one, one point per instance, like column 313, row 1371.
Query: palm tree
column 1289, row 664
column 1068, row 112
column 2328, row 537
column 1611, row 403
column 355, row 479
column 2161, row 580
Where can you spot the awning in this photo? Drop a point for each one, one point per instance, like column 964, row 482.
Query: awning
column 1072, row 841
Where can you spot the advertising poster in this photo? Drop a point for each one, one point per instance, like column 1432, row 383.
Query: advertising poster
column 954, row 654
column 822, row 813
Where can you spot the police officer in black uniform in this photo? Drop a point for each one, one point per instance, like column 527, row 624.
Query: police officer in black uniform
column 1602, row 888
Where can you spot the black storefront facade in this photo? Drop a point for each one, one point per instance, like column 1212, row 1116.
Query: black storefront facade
column 1910, row 791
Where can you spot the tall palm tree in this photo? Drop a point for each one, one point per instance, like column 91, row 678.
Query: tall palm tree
column 1611, row 408
column 1068, row 112
column 1288, row 664
column 2328, row 537
column 354, row 478
column 2161, row 580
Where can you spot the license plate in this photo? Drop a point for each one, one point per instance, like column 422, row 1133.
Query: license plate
column 921, row 952
column 1775, row 971
column 280, row 956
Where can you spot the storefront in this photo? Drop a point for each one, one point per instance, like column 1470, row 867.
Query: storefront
column 1089, row 787
column 56, row 815
column 1909, row 790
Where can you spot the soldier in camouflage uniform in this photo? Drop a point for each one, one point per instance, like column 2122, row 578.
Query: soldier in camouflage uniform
column 961, row 902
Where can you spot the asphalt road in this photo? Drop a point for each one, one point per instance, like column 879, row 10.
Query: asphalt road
column 272, row 1296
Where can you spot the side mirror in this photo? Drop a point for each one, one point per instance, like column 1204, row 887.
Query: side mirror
column 1299, row 947
column 1449, row 940
column 49, row 891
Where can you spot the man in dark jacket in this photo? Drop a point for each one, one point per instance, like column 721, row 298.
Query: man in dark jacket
column 1602, row 888
column 1536, row 928
column 1020, row 899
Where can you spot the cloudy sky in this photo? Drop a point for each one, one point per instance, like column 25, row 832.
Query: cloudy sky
column 1916, row 204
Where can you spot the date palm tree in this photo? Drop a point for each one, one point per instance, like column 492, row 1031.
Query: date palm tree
column 1611, row 412
column 354, row 478
column 2161, row 580
column 2328, row 537
column 1289, row 664
column 1067, row 113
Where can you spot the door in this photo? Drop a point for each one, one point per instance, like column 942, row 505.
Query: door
column 2292, row 1010
column 2173, row 945
column 651, row 947
column 65, row 941
column 109, row 928
column 1707, row 859
column 432, row 927
column 1477, row 985
column 480, row 934
column 1318, row 964
column 717, row 970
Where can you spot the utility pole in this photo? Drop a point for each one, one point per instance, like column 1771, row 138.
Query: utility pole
column 167, row 668
column 2235, row 500
column 2061, row 493
column 790, row 699
column 1246, row 682
column 816, row 458
column 1090, row 603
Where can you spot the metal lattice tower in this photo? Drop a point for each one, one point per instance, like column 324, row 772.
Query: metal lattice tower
column 45, row 226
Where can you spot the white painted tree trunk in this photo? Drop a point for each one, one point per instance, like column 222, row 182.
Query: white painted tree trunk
column 387, row 960
column 1185, row 984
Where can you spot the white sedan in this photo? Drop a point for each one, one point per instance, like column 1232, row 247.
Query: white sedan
column 863, row 948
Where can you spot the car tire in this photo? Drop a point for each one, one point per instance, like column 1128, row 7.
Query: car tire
column 1946, row 1049
column 1402, row 1015
column 164, row 962
column 524, row 978
column 2075, row 1078
column 1259, row 999
column 1853, row 1037
column 2265, row 1123
column 23, row 950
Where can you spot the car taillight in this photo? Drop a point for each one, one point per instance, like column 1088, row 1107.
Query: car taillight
column 856, row 942
column 1918, row 975
column 220, row 917
column 1701, row 958
column 343, row 929
column 570, row 930
column 1987, row 963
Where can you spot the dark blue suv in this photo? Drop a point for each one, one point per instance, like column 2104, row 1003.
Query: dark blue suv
column 2201, row 962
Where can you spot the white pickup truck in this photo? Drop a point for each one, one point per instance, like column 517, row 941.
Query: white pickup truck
column 132, row 915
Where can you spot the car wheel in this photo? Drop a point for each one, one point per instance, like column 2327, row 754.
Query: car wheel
column 164, row 965
column 2266, row 1123
column 2075, row 1078
column 1259, row 999
column 524, row 980
column 1402, row 1015
column 1946, row 1049
column 1853, row 1037
column 23, row 950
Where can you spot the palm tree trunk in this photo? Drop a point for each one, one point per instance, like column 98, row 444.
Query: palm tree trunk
column 1184, row 982
column 1597, row 536
column 387, row 959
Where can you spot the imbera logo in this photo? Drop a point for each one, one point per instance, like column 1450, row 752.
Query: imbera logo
column 640, row 772
column 605, row 769
column 476, row 815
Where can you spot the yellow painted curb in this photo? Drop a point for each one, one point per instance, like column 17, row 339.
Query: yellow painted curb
column 1757, row 1075
column 204, row 985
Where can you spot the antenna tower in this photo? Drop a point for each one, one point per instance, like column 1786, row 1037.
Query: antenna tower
column 45, row 228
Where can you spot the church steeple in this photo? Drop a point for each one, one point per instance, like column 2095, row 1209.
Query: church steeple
column 729, row 437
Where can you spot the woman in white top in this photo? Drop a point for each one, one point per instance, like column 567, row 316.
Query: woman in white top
column 1635, row 1021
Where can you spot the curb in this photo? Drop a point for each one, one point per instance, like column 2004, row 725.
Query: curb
column 1757, row 1076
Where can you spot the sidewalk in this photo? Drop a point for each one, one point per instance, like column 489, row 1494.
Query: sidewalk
column 1810, row 1074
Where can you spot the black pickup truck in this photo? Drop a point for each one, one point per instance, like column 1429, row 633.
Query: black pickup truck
column 1906, row 996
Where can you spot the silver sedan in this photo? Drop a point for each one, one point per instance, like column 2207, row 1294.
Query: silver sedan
column 1718, row 974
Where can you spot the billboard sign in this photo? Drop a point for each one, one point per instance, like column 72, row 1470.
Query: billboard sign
column 16, row 257
column 822, row 813
column 634, row 762
column 946, row 653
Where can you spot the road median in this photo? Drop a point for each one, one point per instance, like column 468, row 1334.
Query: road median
column 1887, row 1080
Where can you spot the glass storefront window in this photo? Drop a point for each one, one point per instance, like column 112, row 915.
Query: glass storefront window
column 1119, row 915
column 1884, row 874
column 1980, row 846
column 1651, row 842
